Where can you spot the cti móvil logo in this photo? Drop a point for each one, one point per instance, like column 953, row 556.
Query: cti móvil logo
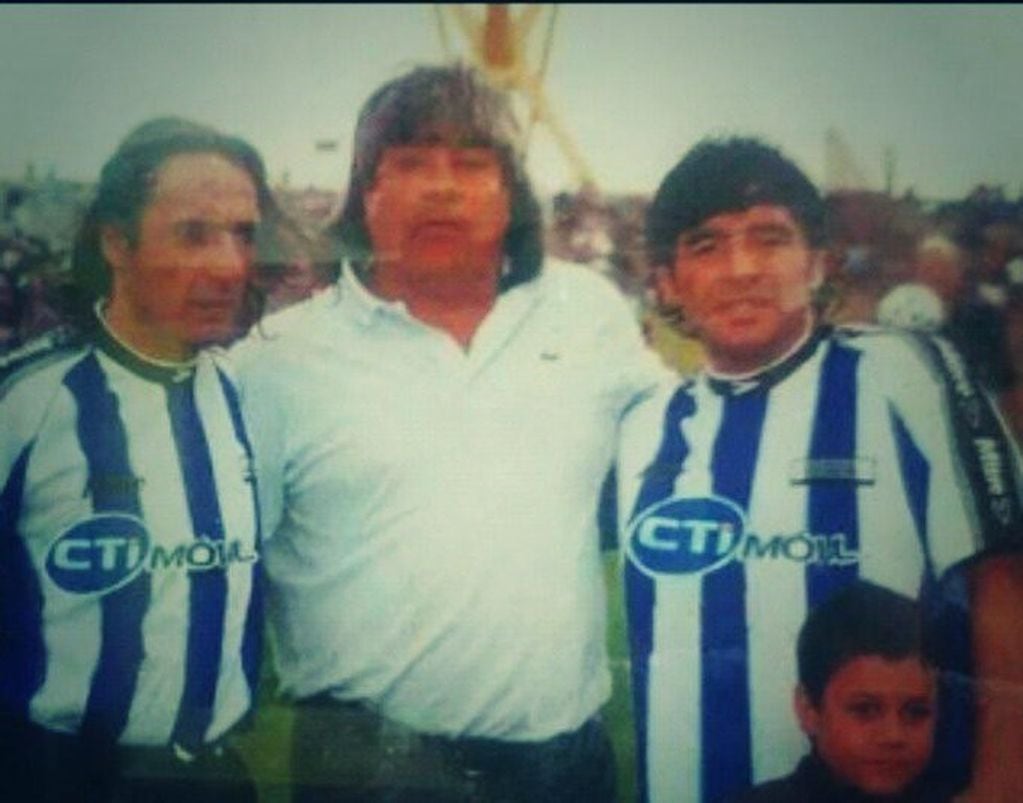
column 105, row 552
column 694, row 536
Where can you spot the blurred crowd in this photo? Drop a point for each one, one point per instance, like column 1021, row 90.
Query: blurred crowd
column 955, row 268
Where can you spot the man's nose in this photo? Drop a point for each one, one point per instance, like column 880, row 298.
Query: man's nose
column 741, row 260
column 441, row 176
column 229, row 257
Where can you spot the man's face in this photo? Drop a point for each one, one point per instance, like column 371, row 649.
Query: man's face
column 874, row 726
column 437, row 211
column 745, row 280
column 181, row 284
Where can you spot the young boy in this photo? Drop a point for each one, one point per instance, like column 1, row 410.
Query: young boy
column 866, row 700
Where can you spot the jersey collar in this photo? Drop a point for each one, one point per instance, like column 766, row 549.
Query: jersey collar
column 772, row 374
column 163, row 371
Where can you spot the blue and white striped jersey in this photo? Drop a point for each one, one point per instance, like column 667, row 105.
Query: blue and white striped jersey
column 129, row 596
column 746, row 502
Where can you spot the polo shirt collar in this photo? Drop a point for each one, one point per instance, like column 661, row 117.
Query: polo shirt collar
column 367, row 305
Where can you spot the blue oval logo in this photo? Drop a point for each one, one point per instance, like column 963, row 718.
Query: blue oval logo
column 99, row 554
column 685, row 536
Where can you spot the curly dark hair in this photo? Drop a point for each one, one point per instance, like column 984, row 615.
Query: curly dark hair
column 728, row 175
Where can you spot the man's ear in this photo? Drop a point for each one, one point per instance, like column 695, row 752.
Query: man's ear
column 115, row 246
column 817, row 265
column 806, row 712
column 665, row 287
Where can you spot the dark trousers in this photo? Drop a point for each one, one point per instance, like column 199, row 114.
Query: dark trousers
column 43, row 766
column 345, row 753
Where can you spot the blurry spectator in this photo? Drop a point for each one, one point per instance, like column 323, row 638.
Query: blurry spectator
column 10, row 311
column 931, row 298
column 939, row 265
column 579, row 231
column 43, row 304
column 295, row 263
column 911, row 305
column 978, row 325
column 871, row 240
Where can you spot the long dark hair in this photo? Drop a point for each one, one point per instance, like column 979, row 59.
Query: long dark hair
column 125, row 187
column 406, row 110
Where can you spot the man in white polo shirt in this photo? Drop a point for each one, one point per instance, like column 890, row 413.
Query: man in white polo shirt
column 432, row 435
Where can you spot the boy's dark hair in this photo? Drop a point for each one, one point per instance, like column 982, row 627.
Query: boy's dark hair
column 729, row 175
column 429, row 104
column 861, row 619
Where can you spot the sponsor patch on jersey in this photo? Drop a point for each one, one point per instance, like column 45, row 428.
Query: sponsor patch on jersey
column 685, row 535
column 105, row 552
column 98, row 555
column 692, row 536
column 857, row 470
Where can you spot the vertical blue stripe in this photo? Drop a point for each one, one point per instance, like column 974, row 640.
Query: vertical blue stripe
column 639, row 601
column 104, row 442
column 207, row 587
column 658, row 483
column 916, row 480
column 22, row 650
column 833, row 505
column 252, row 641
column 724, row 693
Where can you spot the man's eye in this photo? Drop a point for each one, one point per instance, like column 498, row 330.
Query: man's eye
column 195, row 232
column 472, row 160
column 772, row 238
column 864, row 710
column 409, row 160
column 246, row 233
column 700, row 246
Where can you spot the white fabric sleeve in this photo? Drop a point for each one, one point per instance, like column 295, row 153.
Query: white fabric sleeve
column 261, row 395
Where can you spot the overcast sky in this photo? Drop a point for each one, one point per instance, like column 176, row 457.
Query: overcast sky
column 634, row 85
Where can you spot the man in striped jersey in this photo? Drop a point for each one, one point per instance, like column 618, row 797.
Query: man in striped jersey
column 801, row 458
column 129, row 599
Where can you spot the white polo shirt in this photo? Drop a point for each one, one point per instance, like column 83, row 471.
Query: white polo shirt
column 433, row 509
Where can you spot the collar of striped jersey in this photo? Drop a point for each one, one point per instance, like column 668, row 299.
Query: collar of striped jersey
column 168, row 373
column 771, row 374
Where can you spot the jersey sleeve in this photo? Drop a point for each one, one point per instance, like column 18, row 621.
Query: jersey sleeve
column 973, row 474
column 25, row 397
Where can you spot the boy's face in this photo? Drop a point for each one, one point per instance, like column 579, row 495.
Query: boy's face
column 874, row 727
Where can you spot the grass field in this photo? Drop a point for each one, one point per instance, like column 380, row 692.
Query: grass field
column 266, row 746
